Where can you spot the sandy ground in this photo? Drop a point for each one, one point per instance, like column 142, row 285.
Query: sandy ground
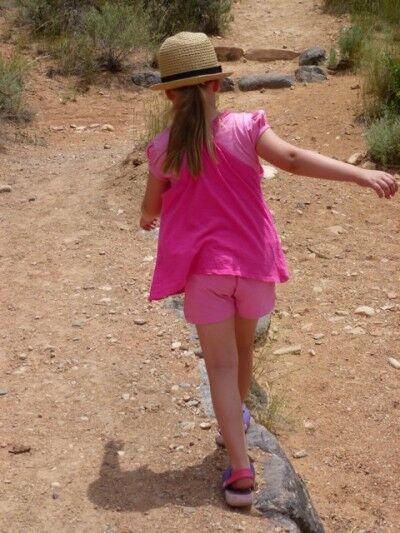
column 100, row 401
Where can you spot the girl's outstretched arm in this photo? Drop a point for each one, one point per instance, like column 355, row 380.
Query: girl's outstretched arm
column 306, row 163
column 152, row 201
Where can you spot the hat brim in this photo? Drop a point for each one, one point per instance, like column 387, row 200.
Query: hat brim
column 186, row 82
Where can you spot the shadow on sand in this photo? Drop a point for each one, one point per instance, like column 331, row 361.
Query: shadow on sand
column 143, row 489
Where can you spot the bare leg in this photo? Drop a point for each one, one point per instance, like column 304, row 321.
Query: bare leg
column 245, row 330
column 218, row 344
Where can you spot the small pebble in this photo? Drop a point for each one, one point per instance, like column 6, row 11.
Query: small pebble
column 176, row 345
column 364, row 310
column 299, row 454
column 318, row 336
column 125, row 396
column 140, row 321
column 312, row 353
column 3, row 392
column 337, row 230
column 395, row 363
column 5, row 188
column 107, row 127
column 205, row 425
column 286, row 350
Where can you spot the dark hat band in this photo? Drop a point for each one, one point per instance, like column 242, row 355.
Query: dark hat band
column 192, row 74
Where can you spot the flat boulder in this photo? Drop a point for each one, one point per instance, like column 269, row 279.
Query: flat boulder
column 270, row 54
column 227, row 85
column 310, row 74
column 229, row 53
column 255, row 82
column 312, row 56
column 146, row 78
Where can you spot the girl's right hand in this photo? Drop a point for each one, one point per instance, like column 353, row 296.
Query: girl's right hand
column 384, row 184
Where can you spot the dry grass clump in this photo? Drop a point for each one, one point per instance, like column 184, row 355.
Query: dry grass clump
column 12, row 82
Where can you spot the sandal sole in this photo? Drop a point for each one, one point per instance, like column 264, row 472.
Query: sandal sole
column 239, row 498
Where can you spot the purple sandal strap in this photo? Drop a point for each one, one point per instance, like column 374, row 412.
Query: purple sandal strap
column 236, row 475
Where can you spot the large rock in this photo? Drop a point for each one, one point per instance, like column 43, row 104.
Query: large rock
column 146, row 78
column 284, row 493
column 312, row 56
column 265, row 81
column 270, row 54
column 227, row 85
column 229, row 53
column 310, row 74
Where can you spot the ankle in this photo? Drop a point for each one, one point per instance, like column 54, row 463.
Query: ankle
column 240, row 465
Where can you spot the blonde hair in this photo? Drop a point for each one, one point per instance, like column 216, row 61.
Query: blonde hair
column 190, row 132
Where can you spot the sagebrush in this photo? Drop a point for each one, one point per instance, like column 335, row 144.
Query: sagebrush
column 171, row 16
column 389, row 10
column 12, row 82
column 383, row 139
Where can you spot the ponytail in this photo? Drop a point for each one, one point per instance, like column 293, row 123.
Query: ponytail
column 190, row 133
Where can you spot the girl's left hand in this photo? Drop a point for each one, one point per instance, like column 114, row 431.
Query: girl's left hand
column 384, row 184
column 147, row 224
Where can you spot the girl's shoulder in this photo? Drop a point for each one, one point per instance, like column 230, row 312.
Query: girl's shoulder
column 246, row 118
column 247, row 125
column 159, row 143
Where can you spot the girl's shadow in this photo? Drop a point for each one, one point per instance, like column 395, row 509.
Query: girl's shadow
column 143, row 489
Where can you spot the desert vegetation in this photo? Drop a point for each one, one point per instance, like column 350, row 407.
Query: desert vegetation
column 12, row 81
column 88, row 36
column 371, row 45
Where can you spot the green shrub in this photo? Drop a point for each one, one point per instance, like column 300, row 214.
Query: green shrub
column 333, row 58
column 171, row 16
column 87, row 35
column 388, row 10
column 114, row 31
column 351, row 44
column 75, row 55
column 12, row 73
column 383, row 138
column 52, row 18
column 381, row 68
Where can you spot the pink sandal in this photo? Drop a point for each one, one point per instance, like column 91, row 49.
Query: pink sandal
column 238, row 497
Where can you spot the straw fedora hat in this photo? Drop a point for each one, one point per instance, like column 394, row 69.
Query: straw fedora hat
column 187, row 59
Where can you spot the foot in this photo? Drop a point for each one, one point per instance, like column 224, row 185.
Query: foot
column 238, row 486
column 219, row 438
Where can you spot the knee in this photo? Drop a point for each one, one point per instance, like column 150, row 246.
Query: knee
column 222, row 363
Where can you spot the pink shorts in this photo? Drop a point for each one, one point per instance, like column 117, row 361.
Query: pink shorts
column 211, row 298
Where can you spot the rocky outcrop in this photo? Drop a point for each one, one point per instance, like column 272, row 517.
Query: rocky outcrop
column 310, row 74
column 227, row 85
column 229, row 53
column 312, row 56
column 270, row 54
column 146, row 78
column 265, row 81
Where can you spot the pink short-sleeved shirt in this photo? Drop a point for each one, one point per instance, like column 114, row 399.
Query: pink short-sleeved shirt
column 218, row 223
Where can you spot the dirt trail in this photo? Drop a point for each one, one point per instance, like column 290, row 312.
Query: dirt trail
column 100, row 400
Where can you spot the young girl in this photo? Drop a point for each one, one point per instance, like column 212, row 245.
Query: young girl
column 217, row 241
